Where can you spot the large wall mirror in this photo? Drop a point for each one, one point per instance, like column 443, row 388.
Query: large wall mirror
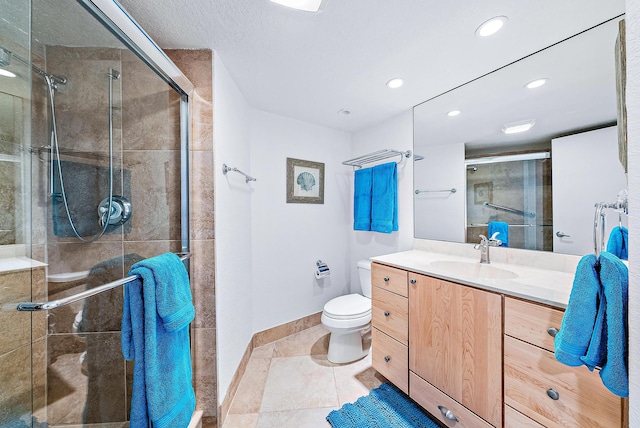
column 476, row 174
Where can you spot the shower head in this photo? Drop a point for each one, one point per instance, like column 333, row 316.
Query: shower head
column 5, row 57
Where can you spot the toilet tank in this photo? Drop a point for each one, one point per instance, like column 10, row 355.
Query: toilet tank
column 364, row 272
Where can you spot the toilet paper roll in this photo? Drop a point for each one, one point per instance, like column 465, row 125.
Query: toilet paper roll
column 322, row 270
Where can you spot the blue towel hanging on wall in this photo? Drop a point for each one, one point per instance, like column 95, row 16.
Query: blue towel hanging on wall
column 618, row 244
column 594, row 327
column 384, row 199
column 362, row 187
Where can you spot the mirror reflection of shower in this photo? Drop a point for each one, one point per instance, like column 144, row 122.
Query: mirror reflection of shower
column 114, row 210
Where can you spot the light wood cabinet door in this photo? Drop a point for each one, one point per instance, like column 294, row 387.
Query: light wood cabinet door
column 389, row 278
column 455, row 334
column 390, row 313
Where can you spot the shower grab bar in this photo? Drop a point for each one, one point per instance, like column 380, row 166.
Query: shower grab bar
column 510, row 210
column 247, row 178
column 452, row 190
column 376, row 156
column 45, row 306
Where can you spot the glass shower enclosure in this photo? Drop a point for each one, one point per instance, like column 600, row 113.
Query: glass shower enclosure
column 93, row 177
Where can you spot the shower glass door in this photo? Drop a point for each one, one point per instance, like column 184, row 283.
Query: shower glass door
column 91, row 161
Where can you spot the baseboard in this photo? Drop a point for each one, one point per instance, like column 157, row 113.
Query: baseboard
column 259, row 339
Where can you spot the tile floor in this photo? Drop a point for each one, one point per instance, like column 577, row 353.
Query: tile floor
column 291, row 384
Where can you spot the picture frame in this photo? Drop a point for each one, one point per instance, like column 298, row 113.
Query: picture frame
column 483, row 192
column 305, row 182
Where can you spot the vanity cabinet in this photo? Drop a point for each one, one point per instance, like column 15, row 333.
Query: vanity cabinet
column 455, row 338
column 476, row 358
column 538, row 387
column 390, row 324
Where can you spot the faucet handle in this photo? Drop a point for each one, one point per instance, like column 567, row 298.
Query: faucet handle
column 493, row 237
column 483, row 239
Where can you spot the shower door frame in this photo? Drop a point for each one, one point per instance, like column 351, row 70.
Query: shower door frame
column 127, row 30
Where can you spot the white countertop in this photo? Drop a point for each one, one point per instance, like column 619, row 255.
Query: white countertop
column 13, row 264
column 551, row 287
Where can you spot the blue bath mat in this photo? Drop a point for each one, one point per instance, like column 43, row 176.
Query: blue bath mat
column 384, row 407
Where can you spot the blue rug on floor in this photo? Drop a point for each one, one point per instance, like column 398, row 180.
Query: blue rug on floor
column 384, row 407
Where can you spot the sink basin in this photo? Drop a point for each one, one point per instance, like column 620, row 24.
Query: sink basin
column 477, row 270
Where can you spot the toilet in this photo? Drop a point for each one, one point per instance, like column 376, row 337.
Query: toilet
column 348, row 318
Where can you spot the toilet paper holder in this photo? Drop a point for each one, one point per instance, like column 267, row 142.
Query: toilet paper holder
column 322, row 270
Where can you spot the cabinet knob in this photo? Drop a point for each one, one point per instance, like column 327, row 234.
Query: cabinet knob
column 412, row 280
column 447, row 413
column 386, row 279
column 553, row 394
column 386, row 313
column 387, row 358
column 552, row 331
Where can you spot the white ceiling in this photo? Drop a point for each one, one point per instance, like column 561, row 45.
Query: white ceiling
column 309, row 66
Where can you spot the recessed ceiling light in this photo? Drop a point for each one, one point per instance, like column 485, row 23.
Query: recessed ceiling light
column 453, row 113
column 395, row 83
column 6, row 73
column 344, row 112
column 304, row 5
column 516, row 127
column 536, row 83
column 491, row 26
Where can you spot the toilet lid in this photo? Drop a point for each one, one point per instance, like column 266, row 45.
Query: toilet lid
column 349, row 306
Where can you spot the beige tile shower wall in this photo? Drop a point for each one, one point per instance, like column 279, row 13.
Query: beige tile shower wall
column 23, row 353
column 197, row 66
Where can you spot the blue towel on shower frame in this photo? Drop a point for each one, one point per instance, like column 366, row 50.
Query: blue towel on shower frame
column 157, row 312
column 384, row 199
column 362, row 182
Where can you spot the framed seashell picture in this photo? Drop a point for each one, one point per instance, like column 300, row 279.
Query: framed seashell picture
column 305, row 182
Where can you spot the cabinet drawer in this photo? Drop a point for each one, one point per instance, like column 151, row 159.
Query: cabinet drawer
column 389, row 278
column 529, row 372
column 390, row 313
column 391, row 359
column 430, row 398
column 515, row 419
column 531, row 322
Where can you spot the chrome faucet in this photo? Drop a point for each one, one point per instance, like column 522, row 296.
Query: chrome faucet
column 484, row 245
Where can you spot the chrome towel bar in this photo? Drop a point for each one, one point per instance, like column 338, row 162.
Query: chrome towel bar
column 44, row 306
column 452, row 190
column 376, row 156
column 247, row 178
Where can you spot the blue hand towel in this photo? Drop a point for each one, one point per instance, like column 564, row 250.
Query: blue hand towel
column 155, row 334
column 384, row 199
column 503, row 228
column 618, row 242
column 362, row 185
column 573, row 339
column 608, row 346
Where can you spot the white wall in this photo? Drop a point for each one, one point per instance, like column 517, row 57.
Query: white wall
column 442, row 168
column 233, row 235
column 289, row 238
column 633, row 127
column 395, row 133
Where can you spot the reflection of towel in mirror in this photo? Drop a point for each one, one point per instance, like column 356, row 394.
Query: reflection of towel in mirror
column 618, row 242
column 362, row 182
column 503, row 229
column 384, row 199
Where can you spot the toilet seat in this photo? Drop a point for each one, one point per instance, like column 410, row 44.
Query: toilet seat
column 348, row 307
